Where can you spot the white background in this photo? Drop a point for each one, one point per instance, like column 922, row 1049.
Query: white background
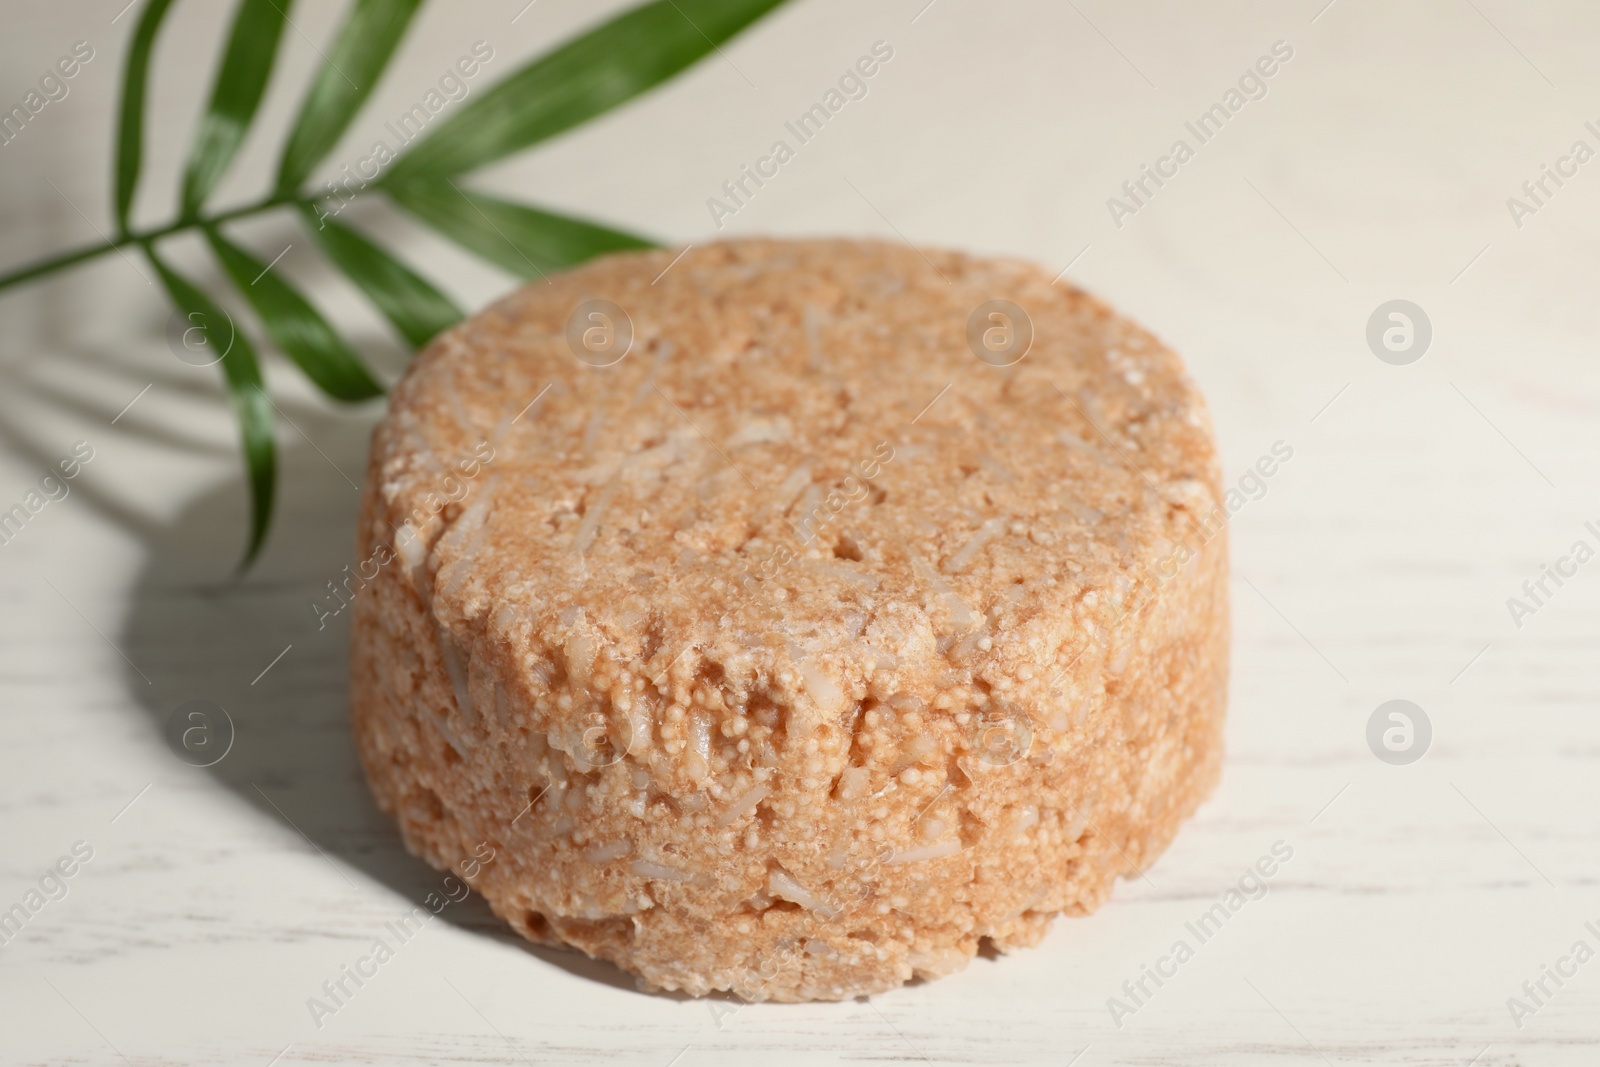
column 1377, row 566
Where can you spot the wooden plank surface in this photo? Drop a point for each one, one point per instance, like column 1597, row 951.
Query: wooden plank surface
column 1375, row 566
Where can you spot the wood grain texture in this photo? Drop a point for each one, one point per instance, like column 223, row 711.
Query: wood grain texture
column 1376, row 565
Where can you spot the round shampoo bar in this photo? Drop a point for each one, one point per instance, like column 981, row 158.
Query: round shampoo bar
column 792, row 617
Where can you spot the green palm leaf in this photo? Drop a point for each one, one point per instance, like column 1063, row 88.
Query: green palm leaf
column 251, row 405
column 583, row 78
column 130, row 120
column 241, row 81
column 415, row 308
column 353, row 67
column 524, row 240
column 294, row 325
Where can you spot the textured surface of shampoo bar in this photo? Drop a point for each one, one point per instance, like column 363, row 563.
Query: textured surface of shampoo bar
column 781, row 644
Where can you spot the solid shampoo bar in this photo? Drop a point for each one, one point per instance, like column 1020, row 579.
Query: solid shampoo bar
column 793, row 617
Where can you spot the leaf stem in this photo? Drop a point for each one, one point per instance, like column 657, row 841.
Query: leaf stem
column 143, row 237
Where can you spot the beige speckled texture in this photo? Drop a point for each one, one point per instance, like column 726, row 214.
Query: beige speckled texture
column 812, row 686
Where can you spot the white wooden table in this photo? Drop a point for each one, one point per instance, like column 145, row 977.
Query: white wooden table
column 1377, row 565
